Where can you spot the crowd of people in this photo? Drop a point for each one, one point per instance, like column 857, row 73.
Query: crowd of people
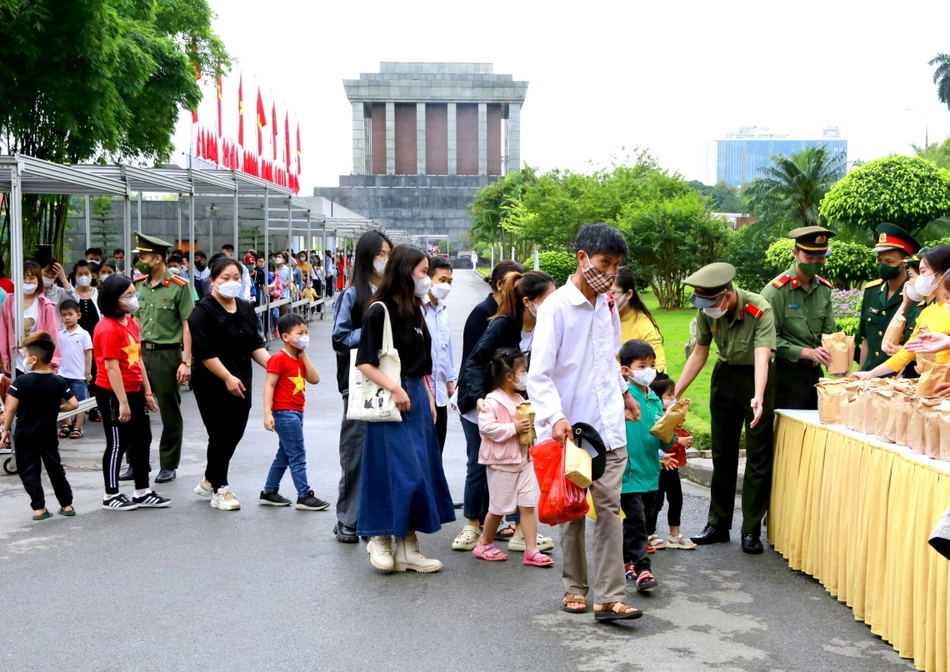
column 588, row 356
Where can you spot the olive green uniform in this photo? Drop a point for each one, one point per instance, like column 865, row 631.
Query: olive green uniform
column 732, row 388
column 162, row 309
column 801, row 317
column 876, row 313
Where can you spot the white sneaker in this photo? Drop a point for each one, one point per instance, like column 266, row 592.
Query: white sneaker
column 203, row 488
column 225, row 500
column 380, row 551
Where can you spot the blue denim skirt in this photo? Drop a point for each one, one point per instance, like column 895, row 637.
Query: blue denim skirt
column 402, row 484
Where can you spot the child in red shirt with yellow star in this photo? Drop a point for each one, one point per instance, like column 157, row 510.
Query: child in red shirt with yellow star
column 288, row 371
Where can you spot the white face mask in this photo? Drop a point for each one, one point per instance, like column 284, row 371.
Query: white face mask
column 644, row 377
column 379, row 267
column 104, row 276
column 48, row 282
column 422, row 286
column 302, row 342
column 714, row 312
column 925, row 284
column 441, row 290
column 230, row 289
column 278, row 260
column 533, row 309
column 131, row 305
column 522, row 383
column 28, row 364
column 174, row 271
column 83, row 280
column 29, row 288
column 668, row 402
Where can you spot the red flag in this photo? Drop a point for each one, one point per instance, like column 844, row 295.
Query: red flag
column 199, row 143
column 273, row 117
column 261, row 122
column 298, row 148
column 197, row 64
column 287, row 139
column 241, row 110
column 220, row 95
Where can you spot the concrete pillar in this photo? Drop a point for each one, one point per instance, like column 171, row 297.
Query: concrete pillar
column 514, row 138
column 483, row 138
column 453, row 140
column 421, row 138
column 359, row 139
column 390, row 138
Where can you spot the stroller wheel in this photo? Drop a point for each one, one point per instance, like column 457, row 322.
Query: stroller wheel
column 6, row 466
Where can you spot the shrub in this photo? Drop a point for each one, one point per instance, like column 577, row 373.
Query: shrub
column 849, row 265
column 559, row 264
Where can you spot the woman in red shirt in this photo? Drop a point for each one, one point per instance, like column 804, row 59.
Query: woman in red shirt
column 123, row 394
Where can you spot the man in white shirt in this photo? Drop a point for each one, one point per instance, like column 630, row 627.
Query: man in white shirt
column 574, row 377
column 444, row 375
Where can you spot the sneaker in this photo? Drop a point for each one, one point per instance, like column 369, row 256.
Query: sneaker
column 225, row 500
column 151, row 500
column 119, row 502
column 311, row 503
column 203, row 489
column 272, row 499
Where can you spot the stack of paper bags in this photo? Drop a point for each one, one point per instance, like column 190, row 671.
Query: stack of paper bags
column 830, row 394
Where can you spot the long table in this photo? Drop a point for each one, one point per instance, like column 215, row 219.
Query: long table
column 856, row 513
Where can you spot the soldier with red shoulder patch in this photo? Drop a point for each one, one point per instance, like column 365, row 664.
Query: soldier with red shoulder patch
column 165, row 303
column 741, row 394
column 801, row 302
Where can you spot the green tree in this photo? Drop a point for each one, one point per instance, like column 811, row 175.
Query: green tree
column 746, row 251
column 98, row 80
column 789, row 192
column 492, row 206
column 723, row 196
column 938, row 152
column 849, row 265
column 670, row 238
column 905, row 190
column 942, row 77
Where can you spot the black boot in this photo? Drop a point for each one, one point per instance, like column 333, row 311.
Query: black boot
column 711, row 535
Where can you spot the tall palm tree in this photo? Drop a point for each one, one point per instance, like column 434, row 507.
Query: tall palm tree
column 942, row 77
column 791, row 189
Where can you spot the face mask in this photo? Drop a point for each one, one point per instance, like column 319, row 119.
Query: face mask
column 422, row 286
column 379, row 267
column 622, row 302
column 278, row 261
column 120, row 265
column 230, row 289
column 47, row 282
column 83, row 280
column 522, row 383
column 131, row 305
column 142, row 267
column 200, row 265
column 644, row 377
column 912, row 293
column 925, row 284
column 668, row 402
column 28, row 364
column 714, row 312
column 29, row 288
column 885, row 272
column 533, row 309
column 104, row 276
column 174, row 271
column 302, row 342
column 598, row 281
column 441, row 290
column 809, row 270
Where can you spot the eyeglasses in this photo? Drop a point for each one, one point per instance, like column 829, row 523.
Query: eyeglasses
column 126, row 297
column 382, row 256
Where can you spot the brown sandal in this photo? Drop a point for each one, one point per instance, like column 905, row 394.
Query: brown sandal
column 609, row 612
column 572, row 598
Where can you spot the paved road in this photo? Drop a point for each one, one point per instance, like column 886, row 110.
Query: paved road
column 194, row 588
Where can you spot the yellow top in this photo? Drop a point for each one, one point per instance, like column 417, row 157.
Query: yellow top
column 937, row 319
column 637, row 325
column 309, row 293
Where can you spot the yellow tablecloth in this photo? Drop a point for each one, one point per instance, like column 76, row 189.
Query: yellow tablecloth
column 856, row 514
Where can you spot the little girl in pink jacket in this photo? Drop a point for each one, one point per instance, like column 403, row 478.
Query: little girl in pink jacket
column 511, row 480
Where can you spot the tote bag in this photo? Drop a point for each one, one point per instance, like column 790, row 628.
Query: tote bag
column 369, row 401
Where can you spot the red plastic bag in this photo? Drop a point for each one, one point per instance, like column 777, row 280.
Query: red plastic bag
column 561, row 501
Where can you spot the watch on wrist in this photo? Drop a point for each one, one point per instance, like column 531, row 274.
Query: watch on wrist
column 186, row 362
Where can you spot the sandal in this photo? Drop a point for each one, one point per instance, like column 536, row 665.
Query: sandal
column 630, row 571
column 609, row 612
column 64, row 430
column 537, row 559
column 490, row 553
column 467, row 539
column 681, row 542
column 571, row 598
column 505, row 533
column 645, row 581
column 518, row 543
column 42, row 516
column 655, row 543
column 76, row 433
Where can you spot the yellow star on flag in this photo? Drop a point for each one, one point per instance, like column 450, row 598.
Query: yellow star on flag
column 298, row 381
column 133, row 350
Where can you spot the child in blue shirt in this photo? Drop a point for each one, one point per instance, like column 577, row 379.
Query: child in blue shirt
column 645, row 459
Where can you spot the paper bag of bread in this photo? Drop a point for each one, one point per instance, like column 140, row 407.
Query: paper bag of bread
column 841, row 347
column 915, row 425
column 932, row 421
column 666, row 426
column 867, row 422
column 944, row 422
column 895, row 329
column 931, row 374
column 849, row 404
column 899, row 419
column 578, row 468
column 924, row 356
column 883, row 406
column 830, row 393
column 526, row 410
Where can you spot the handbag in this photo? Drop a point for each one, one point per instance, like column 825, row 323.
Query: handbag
column 560, row 501
column 368, row 401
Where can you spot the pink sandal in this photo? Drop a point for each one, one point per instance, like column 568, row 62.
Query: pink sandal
column 538, row 559
column 489, row 552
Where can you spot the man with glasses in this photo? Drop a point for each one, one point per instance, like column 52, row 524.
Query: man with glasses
column 883, row 297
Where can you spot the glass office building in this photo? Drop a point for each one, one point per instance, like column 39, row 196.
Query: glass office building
column 739, row 157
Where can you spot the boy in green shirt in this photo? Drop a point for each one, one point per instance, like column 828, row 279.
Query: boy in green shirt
column 645, row 458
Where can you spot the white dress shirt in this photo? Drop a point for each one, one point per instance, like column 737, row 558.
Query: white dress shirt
column 574, row 372
column 443, row 357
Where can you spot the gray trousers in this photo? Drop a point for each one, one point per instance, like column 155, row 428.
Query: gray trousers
column 609, row 581
column 352, row 433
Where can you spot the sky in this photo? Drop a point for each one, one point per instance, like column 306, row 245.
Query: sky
column 604, row 77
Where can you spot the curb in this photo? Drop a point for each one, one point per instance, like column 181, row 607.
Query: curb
column 699, row 470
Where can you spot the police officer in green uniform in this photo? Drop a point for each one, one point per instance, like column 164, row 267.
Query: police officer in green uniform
column 742, row 393
column 801, row 301
column 883, row 297
column 165, row 303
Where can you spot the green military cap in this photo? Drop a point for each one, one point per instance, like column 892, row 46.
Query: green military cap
column 710, row 282
column 150, row 244
column 812, row 240
column 892, row 237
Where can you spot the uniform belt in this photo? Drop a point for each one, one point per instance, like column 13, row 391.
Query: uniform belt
column 801, row 363
column 161, row 346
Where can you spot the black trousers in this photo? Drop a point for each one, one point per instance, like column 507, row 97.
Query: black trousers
column 329, row 282
column 441, row 425
column 795, row 385
column 133, row 438
column 225, row 419
column 672, row 488
column 352, row 433
column 636, row 506
column 31, row 453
